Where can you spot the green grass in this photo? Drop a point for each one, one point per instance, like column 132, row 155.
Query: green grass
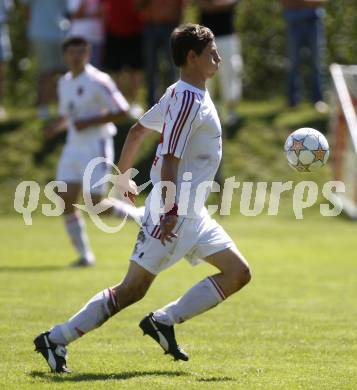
column 293, row 327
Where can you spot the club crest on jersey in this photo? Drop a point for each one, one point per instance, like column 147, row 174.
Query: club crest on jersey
column 80, row 91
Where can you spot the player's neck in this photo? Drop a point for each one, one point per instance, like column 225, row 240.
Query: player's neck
column 76, row 72
column 193, row 78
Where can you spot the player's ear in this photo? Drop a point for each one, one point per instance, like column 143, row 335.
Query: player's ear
column 191, row 57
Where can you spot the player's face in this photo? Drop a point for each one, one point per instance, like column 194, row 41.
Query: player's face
column 76, row 57
column 208, row 61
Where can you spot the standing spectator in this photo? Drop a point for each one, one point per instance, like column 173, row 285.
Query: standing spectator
column 123, row 56
column 218, row 15
column 87, row 21
column 47, row 24
column 161, row 18
column 5, row 48
column 305, row 30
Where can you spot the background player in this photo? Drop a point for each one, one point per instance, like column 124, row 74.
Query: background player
column 89, row 102
column 191, row 143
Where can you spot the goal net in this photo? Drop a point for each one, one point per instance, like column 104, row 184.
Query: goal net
column 343, row 126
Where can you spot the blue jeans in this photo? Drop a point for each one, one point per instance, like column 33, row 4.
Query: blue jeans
column 156, row 42
column 306, row 33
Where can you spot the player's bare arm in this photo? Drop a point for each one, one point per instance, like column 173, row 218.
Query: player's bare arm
column 169, row 170
column 83, row 124
column 132, row 144
column 58, row 126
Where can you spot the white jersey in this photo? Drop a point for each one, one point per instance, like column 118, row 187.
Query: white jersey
column 191, row 131
column 90, row 94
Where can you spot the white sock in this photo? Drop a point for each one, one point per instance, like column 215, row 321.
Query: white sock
column 200, row 298
column 98, row 310
column 76, row 230
column 122, row 209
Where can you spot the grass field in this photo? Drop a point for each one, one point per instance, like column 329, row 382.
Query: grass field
column 293, row 327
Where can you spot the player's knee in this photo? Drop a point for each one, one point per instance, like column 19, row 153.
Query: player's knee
column 68, row 208
column 246, row 274
column 241, row 275
column 133, row 292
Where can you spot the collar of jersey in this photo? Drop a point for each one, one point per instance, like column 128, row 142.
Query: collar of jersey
column 86, row 70
column 202, row 92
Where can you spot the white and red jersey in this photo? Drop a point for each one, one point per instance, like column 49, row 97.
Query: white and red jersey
column 90, row 94
column 191, row 131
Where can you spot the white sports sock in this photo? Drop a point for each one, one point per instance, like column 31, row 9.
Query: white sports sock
column 98, row 310
column 122, row 209
column 76, row 230
column 200, row 298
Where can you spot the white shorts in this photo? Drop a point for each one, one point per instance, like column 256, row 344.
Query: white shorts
column 196, row 239
column 230, row 70
column 75, row 158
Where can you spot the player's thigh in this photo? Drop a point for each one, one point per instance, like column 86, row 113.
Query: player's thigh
column 70, row 196
column 230, row 262
column 136, row 281
column 217, row 248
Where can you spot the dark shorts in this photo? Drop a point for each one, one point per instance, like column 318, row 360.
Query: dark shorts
column 123, row 52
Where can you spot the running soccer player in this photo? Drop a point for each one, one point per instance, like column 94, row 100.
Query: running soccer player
column 89, row 102
column 190, row 148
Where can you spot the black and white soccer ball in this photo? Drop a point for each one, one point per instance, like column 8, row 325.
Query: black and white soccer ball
column 306, row 149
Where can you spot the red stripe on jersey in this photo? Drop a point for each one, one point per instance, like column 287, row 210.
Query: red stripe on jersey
column 173, row 93
column 178, row 118
column 179, row 131
column 219, row 290
column 182, row 120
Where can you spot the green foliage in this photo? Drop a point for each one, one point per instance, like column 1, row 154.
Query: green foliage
column 21, row 83
column 262, row 30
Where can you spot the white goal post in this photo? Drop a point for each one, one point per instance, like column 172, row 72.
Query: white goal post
column 343, row 128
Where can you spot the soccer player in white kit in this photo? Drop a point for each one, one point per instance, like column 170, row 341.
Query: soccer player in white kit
column 89, row 103
column 190, row 150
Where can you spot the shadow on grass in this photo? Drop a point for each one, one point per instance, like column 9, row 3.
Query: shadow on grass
column 217, row 379
column 45, row 268
column 84, row 377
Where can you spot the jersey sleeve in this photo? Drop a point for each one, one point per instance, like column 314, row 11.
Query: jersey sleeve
column 112, row 98
column 179, row 123
column 154, row 118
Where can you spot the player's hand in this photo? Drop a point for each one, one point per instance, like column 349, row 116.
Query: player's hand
column 126, row 187
column 82, row 124
column 167, row 225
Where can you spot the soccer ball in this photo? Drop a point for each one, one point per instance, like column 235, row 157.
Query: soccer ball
column 306, row 149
